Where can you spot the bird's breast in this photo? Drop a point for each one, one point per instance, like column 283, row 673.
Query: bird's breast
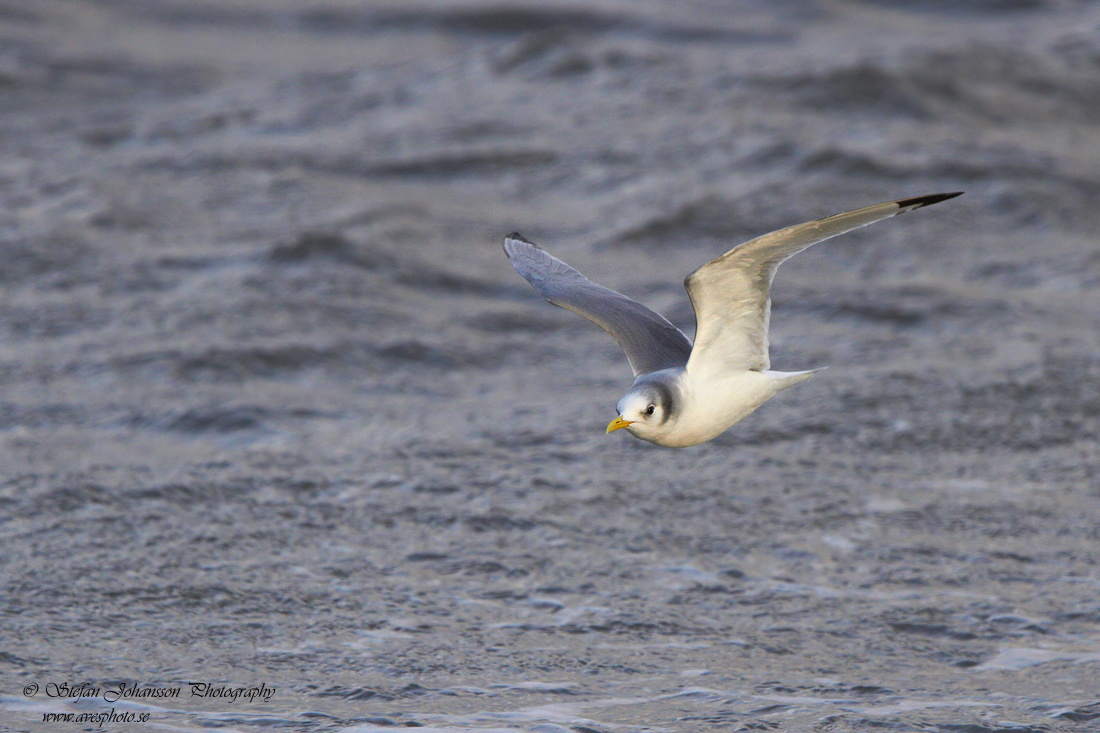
column 707, row 408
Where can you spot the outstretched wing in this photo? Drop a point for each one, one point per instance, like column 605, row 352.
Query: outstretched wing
column 730, row 293
column 650, row 342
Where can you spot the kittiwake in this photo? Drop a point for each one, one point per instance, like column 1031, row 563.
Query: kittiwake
column 686, row 394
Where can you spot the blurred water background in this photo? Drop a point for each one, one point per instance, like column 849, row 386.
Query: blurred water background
column 275, row 409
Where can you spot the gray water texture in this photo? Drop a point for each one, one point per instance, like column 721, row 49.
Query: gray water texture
column 275, row 410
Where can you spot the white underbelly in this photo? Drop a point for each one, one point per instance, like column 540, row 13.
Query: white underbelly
column 711, row 409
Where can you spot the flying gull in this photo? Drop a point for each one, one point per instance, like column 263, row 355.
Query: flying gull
column 686, row 394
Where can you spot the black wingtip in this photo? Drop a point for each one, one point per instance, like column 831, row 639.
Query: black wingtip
column 918, row 201
column 519, row 238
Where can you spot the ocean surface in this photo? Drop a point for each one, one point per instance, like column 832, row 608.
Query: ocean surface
column 277, row 414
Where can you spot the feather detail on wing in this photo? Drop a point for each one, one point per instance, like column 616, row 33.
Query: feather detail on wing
column 730, row 293
column 651, row 343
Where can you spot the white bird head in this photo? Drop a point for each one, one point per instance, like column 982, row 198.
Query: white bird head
column 645, row 410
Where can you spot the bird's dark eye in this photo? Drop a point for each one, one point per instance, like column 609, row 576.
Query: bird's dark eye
column 649, row 410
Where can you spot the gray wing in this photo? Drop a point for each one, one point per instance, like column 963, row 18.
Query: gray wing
column 650, row 342
column 730, row 293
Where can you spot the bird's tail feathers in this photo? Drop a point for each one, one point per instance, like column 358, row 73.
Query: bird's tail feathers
column 789, row 379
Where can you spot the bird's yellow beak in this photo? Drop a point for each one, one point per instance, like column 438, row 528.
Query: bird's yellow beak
column 618, row 423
